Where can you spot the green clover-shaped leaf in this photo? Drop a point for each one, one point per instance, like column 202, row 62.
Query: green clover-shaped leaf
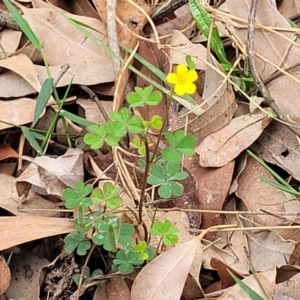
column 146, row 252
column 78, row 196
column 155, row 123
column 126, row 260
column 165, row 176
column 99, row 135
column 166, row 231
column 121, row 122
column 77, row 240
column 109, row 194
column 180, row 144
column 142, row 97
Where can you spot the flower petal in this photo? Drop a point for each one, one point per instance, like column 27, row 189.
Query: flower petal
column 181, row 70
column 190, row 88
column 192, row 76
column 179, row 89
column 172, row 78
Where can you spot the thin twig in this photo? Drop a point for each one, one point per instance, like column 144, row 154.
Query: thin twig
column 258, row 81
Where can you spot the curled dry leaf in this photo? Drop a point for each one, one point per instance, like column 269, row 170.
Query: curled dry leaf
column 279, row 145
column 221, row 147
column 47, row 179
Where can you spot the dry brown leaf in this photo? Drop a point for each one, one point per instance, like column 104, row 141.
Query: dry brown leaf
column 47, row 179
column 16, row 112
column 19, row 230
column 117, row 289
column 234, row 243
column 266, row 279
column 83, row 8
column 26, row 271
column 131, row 17
column 78, row 49
column 257, row 195
column 184, row 48
column 279, row 145
column 277, row 48
column 221, row 147
column 12, row 203
column 5, row 276
column 289, row 8
column 10, row 40
column 7, row 152
column 268, row 249
column 213, row 186
column 170, row 269
column 23, row 66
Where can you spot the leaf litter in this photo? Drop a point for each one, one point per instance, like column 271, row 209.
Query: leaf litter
column 221, row 190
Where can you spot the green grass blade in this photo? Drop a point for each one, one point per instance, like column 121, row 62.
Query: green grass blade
column 280, row 186
column 23, row 24
column 252, row 294
column 42, row 99
column 274, row 174
column 32, row 141
column 75, row 119
column 204, row 22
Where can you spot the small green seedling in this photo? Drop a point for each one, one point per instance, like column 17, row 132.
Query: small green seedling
column 166, row 231
column 146, row 252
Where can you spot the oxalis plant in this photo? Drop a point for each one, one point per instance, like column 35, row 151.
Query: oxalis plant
column 161, row 170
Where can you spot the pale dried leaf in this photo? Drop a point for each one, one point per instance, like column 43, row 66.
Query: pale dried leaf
column 221, row 147
column 267, row 280
column 77, row 47
column 10, row 40
column 211, row 195
column 23, row 66
column 16, row 112
column 25, row 270
column 268, row 249
column 13, row 204
column 19, row 230
column 184, row 48
column 171, row 270
column 279, row 145
column 48, row 179
column 117, row 289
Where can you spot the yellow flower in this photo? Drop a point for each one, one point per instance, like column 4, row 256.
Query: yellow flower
column 183, row 80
